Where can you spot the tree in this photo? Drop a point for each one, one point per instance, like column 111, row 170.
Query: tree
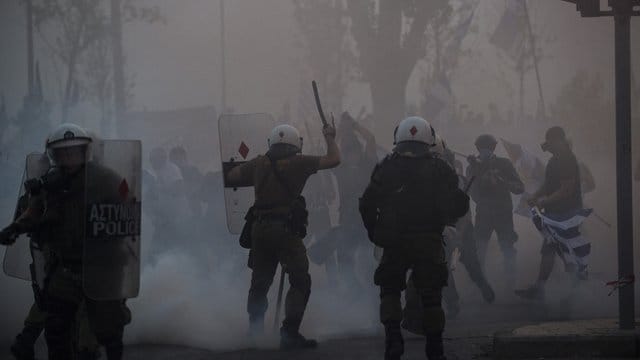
column 77, row 33
column 582, row 107
column 328, row 51
column 390, row 39
column 445, row 35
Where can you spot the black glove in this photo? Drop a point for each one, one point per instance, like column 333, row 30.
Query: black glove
column 9, row 234
column 472, row 160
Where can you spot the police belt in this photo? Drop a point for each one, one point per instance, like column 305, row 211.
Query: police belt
column 273, row 214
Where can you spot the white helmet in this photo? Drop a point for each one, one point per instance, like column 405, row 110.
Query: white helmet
column 440, row 146
column 415, row 128
column 67, row 135
column 285, row 134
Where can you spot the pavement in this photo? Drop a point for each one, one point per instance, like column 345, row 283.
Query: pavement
column 463, row 341
column 585, row 338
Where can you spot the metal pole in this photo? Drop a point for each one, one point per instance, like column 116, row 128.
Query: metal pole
column 535, row 59
column 224, row 59
column 119, row 97
column 29, row 9
column 622, row 13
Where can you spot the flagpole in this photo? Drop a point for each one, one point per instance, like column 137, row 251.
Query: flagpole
column 223, row 70
column 535, row 58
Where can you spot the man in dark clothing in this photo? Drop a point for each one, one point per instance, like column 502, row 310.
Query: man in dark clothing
column 411, row 197
column 458, row 241
column 351, row 178
column 494, row 180
column 560, row 194
column 277, row 232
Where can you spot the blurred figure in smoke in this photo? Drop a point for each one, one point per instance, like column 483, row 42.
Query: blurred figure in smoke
column 352, row 176
column 171, row 209
column 192, row 178
column 460, row 247
column 560, row 199
column 54, row 215
column 220, row 243
column 411, row 197
column 279, row 225
column 494, row 180
column 320, row 192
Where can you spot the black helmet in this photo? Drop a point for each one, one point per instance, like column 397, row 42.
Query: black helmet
column 486, row 141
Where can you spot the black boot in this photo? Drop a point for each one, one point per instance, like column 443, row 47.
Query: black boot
column 22, row 347
column 435, row 347
column 86, row 354
column 394, row 344
column 114, row 350
column 292, row 339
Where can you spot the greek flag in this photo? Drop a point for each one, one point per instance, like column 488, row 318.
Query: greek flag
column 563, row 230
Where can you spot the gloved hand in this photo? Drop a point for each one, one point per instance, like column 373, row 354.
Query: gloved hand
column 8, row 235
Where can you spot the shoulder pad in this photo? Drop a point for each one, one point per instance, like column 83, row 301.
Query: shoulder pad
column 381, row 166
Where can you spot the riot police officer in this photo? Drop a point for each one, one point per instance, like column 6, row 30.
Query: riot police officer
column 411, row 197
column 279, row 225
column 495, row 179
column 56, row 214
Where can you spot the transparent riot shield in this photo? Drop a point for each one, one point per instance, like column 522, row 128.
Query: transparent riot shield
column 111, row 251
column 25, row 259
column 242, row 137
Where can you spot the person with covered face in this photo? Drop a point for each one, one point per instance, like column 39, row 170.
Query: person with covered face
column 494, row 179
column 352, row 177
column 558, row 212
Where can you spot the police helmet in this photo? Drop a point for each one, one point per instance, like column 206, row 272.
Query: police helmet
column 415, row 128
column 285, row 134
column 68, row 136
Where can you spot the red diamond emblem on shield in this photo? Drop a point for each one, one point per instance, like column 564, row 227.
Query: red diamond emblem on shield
column 243, row 150
column 123, row 189
column 413, row 131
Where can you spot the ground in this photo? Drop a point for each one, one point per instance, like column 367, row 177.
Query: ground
column 469, row 337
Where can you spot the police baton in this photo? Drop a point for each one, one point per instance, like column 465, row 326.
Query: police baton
column 319, row 104
column 602, row 220
column 276, row 319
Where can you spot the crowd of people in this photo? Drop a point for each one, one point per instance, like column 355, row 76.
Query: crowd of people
column 405, row 212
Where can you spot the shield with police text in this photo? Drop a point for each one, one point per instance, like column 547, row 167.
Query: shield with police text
column 111, row 251
column 242, row 137
column 25, row 258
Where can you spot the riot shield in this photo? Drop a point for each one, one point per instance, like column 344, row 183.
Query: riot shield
column 24, row 259
column 111, row 251
column 242, row 137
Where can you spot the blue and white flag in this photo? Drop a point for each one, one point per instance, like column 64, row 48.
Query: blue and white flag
column 563, row 230
column 510, row 34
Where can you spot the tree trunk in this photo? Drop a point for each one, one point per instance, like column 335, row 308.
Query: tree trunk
column 389, row 101
column 68, row 89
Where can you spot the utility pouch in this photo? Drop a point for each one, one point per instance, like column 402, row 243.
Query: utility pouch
column 386, row 230
column 245, row 235
column 299, row 218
